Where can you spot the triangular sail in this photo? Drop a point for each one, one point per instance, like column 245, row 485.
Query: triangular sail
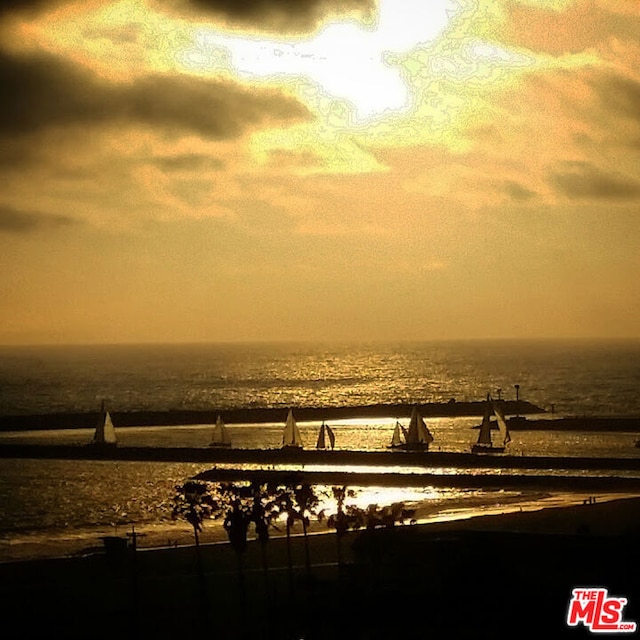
column 220, row 435
column 418, row 432
column 396, row 439
column 321, row 444
column 502, row 424
column 105, row 432
column 291, row 435
column 425, row 434
column 484, row 437
column 332, row 437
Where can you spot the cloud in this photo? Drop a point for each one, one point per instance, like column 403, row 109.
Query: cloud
column 283, row 15
column 21, row 221
column 580, row 180
column 43, row 92
column 8, row 7
column 188, row 162
column 518, row 192
column 581, row 26
column 621, row 94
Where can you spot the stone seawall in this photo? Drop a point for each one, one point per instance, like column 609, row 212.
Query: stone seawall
column 254, row 415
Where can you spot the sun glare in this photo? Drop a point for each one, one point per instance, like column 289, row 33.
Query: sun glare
column 411, row 75
column 345, row 60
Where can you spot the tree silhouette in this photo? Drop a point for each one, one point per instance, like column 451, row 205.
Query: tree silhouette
column 262, row 518
column 306, row 502
column 345, row 518
column 195, row 502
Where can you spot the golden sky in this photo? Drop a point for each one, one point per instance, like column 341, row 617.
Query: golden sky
column 215, row 170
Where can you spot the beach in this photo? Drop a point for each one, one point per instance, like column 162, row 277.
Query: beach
column 527, row 560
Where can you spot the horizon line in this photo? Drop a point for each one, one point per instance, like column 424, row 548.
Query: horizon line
column 319, row 341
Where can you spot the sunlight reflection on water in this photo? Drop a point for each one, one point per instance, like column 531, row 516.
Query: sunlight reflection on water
column 450, row 434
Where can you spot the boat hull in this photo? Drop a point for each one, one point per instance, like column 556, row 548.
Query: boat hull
column 478, row 448
column 409, row 447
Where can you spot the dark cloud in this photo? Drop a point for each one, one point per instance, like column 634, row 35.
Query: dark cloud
column 285, row 15
column 580, row 180
column 281, row 15
column 189, row 162
column 21, row 221
column 45, row 92
column 26, row 8
column 517, row 192
column 621, row 94
column 15, row 154
column 19, row 6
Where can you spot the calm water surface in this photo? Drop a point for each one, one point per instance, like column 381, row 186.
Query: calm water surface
column 44, row 498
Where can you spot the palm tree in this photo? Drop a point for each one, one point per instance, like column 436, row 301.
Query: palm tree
column 194, row 502
column 262, row 520
column 281, row 503
column 346, row 517
column 236, row 524
column 307, row 503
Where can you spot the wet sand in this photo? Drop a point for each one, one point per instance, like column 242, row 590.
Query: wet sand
column 488, row 576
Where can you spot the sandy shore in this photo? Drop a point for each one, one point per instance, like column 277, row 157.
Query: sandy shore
column 438, row 514
column 485, row 576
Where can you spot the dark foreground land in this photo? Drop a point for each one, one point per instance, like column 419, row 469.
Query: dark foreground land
column 504, row 576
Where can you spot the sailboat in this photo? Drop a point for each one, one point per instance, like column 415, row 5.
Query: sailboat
column 485, row 442
column 416, row 438
column 105, row 433
column 291, row 435
column 399, row 438
column 325, row 432
column 220, row 436
column 418, row 435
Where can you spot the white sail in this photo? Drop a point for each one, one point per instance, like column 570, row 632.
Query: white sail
column 105, row 431
column 396, row 439
column 502, row 424
column 484, row 437
column 220, row 436
column 291, row 435
column 332, row 437
column 418, row 433
column 425, row 434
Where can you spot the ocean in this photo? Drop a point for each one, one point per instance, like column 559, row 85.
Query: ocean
column 78, row 500
column 577, row 377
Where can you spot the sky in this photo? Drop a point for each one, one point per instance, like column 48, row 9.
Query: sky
column 225, row 170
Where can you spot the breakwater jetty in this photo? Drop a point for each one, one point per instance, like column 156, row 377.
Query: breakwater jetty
column 338, row 457
column 256, row 415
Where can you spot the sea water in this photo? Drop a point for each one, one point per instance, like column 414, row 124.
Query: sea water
column 46, row 497
column 576, row 377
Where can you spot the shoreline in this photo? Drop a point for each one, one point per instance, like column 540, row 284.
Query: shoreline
column 533, row 512
column 483, row 577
